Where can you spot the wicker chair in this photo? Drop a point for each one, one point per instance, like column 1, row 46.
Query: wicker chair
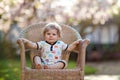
column 33, row 33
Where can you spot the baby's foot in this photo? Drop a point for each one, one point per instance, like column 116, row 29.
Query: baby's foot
column 46, row 67
column 38, row 66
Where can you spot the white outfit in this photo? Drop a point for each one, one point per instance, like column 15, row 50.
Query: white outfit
column 52, row 53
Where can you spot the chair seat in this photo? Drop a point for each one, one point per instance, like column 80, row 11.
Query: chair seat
column 53, row 74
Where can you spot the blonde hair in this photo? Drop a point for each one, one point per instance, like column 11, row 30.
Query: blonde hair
column 52, row 26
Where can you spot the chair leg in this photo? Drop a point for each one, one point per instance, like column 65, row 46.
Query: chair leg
column 22, row 76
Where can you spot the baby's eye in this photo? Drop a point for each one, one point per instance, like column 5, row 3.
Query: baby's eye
column 48, row 33
column 54, row 34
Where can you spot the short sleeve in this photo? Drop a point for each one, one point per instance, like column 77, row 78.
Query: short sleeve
column 40, row 44
column 64, row 45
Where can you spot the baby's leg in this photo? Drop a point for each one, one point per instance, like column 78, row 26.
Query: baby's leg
column 59, row 65
column 38, row 63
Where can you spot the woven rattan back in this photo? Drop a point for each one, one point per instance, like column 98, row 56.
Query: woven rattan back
column 34, row 33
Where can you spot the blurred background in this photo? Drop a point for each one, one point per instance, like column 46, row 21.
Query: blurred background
column 97, row 20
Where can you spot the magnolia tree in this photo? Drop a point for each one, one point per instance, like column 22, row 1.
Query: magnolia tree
column 81, row 13
column 16, row 11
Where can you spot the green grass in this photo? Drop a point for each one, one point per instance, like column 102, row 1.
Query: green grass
column 10, row 69
column 88, row 69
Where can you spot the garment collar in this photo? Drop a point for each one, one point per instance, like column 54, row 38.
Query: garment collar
column 50, row 43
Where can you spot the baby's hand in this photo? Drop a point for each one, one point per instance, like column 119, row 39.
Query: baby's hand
column 20, row 39
column 77, row 42
column 74, row 45
column 27, row 43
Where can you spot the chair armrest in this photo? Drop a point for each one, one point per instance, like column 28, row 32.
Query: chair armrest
column 82, row 53
column 22, row 54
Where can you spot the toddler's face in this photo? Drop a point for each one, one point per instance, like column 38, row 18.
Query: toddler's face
column 51, row 36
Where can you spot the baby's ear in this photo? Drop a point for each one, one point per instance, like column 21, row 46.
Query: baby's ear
column 59, row 36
